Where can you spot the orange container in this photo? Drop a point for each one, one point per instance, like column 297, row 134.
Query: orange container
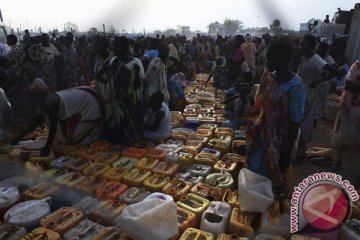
column 196, row 234
column 125, row 162
column 77, row 164
column 185, row 160
column 101, row 145
column 197, row 145
column 220, row 120
column 62, row 220
column 228, row 165
column 95, row 169
column 41, row 233
column 105, row 212
column 177, row 188
column 115, row 174
column 223, row 131
column 206, row 159
column 89, row 153
column 133, row 195
column 234, row 158
column 165, row 168
column 239, row 146
column 135, row 177
column 90, row 184
column 69, row 179
column 155, row 153
column 155, row 182
column 73, row 151
column 241, row 223
column 106, row 157
column 221, row 145
column 131, row 152
column 146, row 163
column 187, row 149
column 186, row 219
column 204, row 120
column 110, row 191
column 40, row 191
column 208, row 192
column 205, row 133
column 209, row 127
column 204, row 140
column 224, row 236
column 232, row 198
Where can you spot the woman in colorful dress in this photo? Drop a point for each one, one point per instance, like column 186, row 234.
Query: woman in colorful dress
column 123, row 115
column 273, row 125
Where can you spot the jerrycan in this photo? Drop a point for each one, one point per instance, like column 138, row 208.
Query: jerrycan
column 89, row 154
column 90, row 184
column 155, row 182
column 69, row 179
column 110, row 191
column 186, row 219
column 144, row 144
column 131, row 152
column 135, row 177
column 42, row 234
column 177, row 188
column 40, row 191
column 194, row 204
column 106, row 157
column 196, row 234
column 77, row 165
column 86, row 204
column 165, row 168
column 42, row 161
column 221, row 180
column 11, row 232
column 86, row 229
column 111, row 233
column 146, row 163
column 62, row 220
column 239, row 147
column 208, row 192
column 187, row 176
column 50, row 175
column 212, row 151
column 241, row 223
column 216, row 218
column 224, row 236
column 95, row 169
column 239, row 135
column 223, row 131
column 115, row 174
column 27, row 214
column 9, row 196
column 125, row 162
column 154, row 153
column 197, row 145
column 185, row 160
column 231, row 197
column 60, row 162
column 159, row 195
column 199, row 170
column 101, row 145
column 205, row 159
column 105, row 212
column 133, row 195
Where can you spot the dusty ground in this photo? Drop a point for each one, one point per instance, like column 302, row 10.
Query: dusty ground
column 350, row 168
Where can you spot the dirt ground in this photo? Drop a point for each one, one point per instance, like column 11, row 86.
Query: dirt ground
column 350, row 168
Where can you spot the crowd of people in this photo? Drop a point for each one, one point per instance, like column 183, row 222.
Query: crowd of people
column 140, row 80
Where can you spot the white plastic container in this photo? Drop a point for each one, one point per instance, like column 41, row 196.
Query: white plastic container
column 27, row 214
column 199, row 170
column 215, row 219
column 159, row 195
column 86, row 229
column 222, row 180
column 189, row 177
column 8, row 196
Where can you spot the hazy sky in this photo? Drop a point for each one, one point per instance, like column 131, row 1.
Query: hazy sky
column 162, row 14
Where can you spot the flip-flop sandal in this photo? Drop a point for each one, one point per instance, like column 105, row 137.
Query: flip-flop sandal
column 322, row 161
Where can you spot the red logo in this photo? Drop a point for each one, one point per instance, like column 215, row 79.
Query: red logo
column 325, row 206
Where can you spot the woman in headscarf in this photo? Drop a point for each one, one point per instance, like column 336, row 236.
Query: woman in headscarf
column 249, row 53
column 273, row 125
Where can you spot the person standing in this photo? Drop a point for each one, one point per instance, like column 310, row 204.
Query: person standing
column 273, row 124
column 249, row 49
column 309, row 71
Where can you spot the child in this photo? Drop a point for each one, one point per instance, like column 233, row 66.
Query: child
column 158, row 119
